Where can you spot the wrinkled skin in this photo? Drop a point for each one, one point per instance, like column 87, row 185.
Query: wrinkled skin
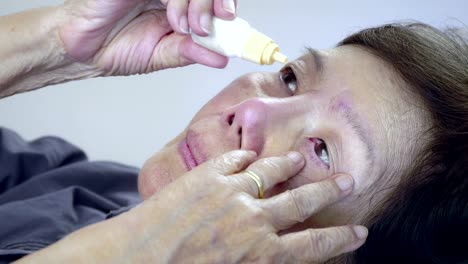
column 211, row 215
column 353, row 99
column 122, row 37
column 212, row 209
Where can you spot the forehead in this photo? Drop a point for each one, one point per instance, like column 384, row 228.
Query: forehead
column 370, row 84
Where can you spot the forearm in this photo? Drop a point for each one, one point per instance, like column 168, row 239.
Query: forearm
column 131, row 237
column 103, row 242
column 31, row 53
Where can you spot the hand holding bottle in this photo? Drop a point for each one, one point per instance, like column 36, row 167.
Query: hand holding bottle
column 123, row 37
column 197, row 16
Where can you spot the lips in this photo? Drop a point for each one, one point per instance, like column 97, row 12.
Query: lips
column 191, row 150
column 187, row 155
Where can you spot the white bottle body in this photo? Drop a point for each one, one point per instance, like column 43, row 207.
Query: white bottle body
column 227, row 37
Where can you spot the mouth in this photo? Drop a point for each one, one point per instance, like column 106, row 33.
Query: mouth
column 192, row 150
column 187, row 155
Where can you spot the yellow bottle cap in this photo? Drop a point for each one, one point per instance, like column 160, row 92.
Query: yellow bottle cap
column 262, row 50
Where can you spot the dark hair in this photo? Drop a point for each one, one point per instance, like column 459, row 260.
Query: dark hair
column 424, row 219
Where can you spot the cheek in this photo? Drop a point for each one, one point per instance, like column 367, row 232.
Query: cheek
column 160, row 170
column 154, row 176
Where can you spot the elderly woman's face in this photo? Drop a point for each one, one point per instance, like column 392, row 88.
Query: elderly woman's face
column 343, row 109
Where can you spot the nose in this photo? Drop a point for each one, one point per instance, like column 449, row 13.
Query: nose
column 247, row 123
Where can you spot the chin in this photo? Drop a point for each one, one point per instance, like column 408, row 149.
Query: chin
column 160, row 170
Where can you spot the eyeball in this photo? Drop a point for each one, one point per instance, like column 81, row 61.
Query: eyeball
column 288, row 77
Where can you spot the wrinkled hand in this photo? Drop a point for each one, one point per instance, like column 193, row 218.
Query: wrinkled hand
column 124, row 37
column 211, row 215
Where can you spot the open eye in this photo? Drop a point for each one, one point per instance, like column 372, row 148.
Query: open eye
column 320, row 149
column 288, row 77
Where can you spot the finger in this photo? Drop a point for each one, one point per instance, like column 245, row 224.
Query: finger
column 230, row 162
column 294, row 206
column 318, row 245
column 177, row 16
column 176, row 50
column 200, row 16
column 201, row 55
column 271, row 171
column 225, row 9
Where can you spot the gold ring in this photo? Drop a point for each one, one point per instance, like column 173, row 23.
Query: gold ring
column 258, row 181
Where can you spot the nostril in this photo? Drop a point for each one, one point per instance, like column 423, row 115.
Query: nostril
column 231, row 119
column 239, row 132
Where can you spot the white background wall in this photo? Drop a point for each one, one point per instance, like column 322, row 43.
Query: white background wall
column 127, row 119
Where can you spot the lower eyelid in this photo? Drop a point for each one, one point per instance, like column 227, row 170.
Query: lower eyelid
column 310, row 149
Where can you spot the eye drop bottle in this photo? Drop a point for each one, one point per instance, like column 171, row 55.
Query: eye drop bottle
column 237, row 38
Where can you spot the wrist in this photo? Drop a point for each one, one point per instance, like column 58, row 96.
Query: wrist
column 32, row 55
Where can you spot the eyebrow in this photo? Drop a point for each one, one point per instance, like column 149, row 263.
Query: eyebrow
column 354, row 120
column 318, row 59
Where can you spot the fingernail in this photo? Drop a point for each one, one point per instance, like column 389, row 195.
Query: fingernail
column 205, row 23
column 344, row 182
column 295, row 156
column 183, row 24
column 361, row 232
column 229, row 6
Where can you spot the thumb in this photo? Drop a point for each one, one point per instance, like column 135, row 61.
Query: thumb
column 230, row 162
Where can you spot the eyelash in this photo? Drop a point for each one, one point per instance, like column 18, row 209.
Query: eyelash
column 288, row 77
column 317, row 143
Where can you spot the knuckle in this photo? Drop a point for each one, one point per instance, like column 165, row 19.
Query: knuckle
column 230, row 159
column 321, row 244
column 243, row 185
column 273, row 164
column 202, row 6
column 347, row 235
column 328, row 191
column 328, row 243
column 269, row 163
column 255, row 215
column 300, row 214
column 336, row 189
column 226, row 161
column 219, row 162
